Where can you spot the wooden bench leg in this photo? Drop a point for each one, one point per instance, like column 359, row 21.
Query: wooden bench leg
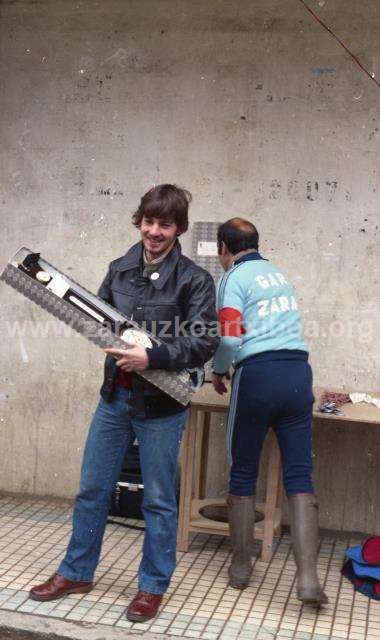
column 201, row 457
column 272, row 497
column 280, row 495
column 186, row 488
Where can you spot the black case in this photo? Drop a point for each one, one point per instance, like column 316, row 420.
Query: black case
column 127, row 498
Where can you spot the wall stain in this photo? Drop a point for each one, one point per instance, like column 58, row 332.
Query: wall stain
column 108, row 191
column 312, row 189
column 321, row 71
column 297, row 189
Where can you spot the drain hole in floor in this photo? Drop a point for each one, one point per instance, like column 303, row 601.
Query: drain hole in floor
column 218, row 512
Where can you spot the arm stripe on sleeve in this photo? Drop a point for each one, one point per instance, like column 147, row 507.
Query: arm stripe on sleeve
column 231, row 322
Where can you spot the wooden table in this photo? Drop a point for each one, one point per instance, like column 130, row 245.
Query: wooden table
column 194, row 468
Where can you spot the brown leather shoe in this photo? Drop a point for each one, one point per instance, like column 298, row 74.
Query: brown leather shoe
column 144, row 606
column 57, row 587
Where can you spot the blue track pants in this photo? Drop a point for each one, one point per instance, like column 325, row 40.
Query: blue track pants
column 272, row 389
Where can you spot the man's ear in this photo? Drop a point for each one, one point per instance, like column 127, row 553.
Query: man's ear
column 223, row 248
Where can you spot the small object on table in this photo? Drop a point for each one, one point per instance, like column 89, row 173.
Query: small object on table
column 330, row 407
column 364, row 397
column 331, row 401
column 338, row 398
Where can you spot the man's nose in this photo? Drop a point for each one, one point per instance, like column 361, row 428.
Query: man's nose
column 155, row 230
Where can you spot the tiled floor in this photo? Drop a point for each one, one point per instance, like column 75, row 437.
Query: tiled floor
column 33, row 536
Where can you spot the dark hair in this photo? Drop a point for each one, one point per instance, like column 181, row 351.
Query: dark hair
column 238, row 235
column 165, row 201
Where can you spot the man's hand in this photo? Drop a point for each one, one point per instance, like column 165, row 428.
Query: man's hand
column 133, row 359
column 218, row 383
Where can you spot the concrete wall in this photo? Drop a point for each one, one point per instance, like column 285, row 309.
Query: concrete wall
column 253, row 107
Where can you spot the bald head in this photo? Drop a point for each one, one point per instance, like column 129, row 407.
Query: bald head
column 238, row 235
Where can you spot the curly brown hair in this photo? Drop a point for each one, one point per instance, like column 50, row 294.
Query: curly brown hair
column 165, row 201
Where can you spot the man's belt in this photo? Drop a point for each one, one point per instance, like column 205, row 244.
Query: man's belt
column 93, row 318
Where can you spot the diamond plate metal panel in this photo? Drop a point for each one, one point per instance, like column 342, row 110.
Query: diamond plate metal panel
column 204, row 242
column 204, row 234
column 175, row 384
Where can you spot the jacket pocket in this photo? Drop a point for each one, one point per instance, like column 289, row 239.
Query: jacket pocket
column 123, row 301
column 159, row 319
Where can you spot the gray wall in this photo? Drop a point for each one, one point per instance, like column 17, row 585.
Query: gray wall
column 253, row 107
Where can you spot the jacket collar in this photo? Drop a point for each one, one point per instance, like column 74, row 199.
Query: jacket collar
column 133, row 259
column 254, row 255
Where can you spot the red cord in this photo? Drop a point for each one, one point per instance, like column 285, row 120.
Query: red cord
column 340, row 42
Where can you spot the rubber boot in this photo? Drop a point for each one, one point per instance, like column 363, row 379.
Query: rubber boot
column 241, row 518
column 304, row 529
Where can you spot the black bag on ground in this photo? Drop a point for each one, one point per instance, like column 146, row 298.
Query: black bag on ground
column 127, row 497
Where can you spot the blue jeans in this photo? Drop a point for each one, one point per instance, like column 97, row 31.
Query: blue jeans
column 271, row 390
column 111, row 433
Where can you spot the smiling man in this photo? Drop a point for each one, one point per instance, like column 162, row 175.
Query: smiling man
column 158, row 287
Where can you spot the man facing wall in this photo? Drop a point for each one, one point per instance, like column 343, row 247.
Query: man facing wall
column 272, row 386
